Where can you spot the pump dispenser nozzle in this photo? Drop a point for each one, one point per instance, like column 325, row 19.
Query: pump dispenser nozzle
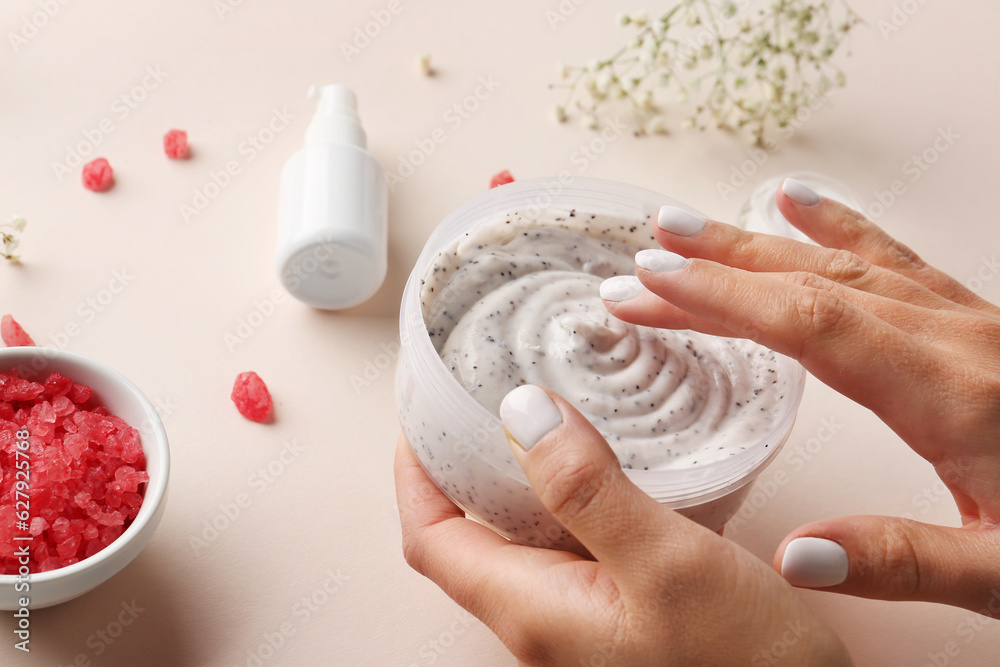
column 336, row 119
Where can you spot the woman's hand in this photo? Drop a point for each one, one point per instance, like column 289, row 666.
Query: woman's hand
column 864, row 314
column 661, row 589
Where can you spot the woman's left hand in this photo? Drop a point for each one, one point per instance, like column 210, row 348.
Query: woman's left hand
column 660, row 589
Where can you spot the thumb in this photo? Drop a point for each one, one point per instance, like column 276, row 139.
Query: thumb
column 579, row 479
column 896, row 559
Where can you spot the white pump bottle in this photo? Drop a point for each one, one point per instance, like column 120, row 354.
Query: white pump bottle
column 333, row 210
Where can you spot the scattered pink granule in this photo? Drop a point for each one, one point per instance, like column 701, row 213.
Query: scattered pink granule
column 251, row 397
column 175, row 144
column 86, row 473
column 12, row 333
column 98, row 175
column 501, row 178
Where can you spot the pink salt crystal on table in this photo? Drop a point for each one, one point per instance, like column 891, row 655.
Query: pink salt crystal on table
column 12, row 333
column 87, row 472
column 501, row 178
column 175, row 144
column 251, row 397
column 98, row 175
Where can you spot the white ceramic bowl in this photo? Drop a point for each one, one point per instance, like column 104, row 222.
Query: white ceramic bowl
column 124, row 399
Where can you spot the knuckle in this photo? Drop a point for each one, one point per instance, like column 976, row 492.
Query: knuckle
column 822, row 312
column 414, row 551
column 985, row 329
column 896, row 569
column 569, row 486
column 742, row 243
column 843, row 266
column 806, row 279
column 901, row 255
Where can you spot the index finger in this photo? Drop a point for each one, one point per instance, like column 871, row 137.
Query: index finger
column 835, row 225
column 851, row 350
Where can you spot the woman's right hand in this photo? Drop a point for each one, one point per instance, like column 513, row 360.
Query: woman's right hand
column 864, row 314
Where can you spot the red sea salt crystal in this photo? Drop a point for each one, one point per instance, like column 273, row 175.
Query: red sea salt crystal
column 79, row 394
column 175, row 144
column 12, row 333
column 60, row 528
column 501, row 178
column 87, row 472
column 98, row 175
column 68, row 547
column 16, row 389
column 251, row 397
column 75, row 445
column 38, row 526
column 57, row 385
column 62, row 406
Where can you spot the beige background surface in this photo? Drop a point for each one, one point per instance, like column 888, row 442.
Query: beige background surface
column 330, row 510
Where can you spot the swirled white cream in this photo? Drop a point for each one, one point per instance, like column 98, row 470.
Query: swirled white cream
column 516, row 302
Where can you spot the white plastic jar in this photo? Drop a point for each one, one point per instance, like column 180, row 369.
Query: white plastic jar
column 462, row 446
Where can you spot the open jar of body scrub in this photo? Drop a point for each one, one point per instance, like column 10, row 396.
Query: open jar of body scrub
column 505, row 293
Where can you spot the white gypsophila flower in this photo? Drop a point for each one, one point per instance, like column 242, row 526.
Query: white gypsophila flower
column 590, row 121
column 559, row 113
column 562, row 70
column 424, row 64
column 603, row 81
column 657, row 125
column 753, row 71
column 17, row 223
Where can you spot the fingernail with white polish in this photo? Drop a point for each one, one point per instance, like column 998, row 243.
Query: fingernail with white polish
column 621, row 288
column 660, row 260
column 814, row 562
column 528, row 414
column 799, row 192
column 679, row 221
